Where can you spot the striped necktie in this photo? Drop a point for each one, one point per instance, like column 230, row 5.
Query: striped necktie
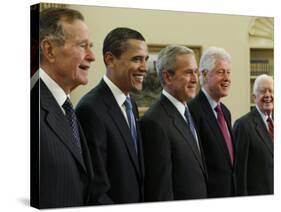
column 72, row 119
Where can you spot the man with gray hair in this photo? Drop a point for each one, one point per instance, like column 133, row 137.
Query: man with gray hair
column 253, row 134
column 61, row 171
column 213, row 120
column 174, row 164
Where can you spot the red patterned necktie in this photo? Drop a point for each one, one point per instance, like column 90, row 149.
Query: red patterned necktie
column 270, row 128
column 225, row 132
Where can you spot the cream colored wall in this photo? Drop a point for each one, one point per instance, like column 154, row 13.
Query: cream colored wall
column 165, row 27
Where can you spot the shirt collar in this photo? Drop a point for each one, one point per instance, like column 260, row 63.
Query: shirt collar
column 54, row 88
column 119, row 96
column 178, row 105
column 264, row 116
column 211, row 101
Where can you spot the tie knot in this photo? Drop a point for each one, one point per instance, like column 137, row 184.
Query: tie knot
column 187, row 113
column 269, row 119
column 67, row 105
column 218, row 108
column 128, row 103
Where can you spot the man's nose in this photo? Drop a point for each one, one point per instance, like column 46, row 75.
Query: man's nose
column 144, row 65
column 90, row 56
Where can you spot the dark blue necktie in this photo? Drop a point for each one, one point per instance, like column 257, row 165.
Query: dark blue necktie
column 131, row 121
column 72, row 119
column 190, row 125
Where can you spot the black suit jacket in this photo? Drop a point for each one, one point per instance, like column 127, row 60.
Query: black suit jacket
column 254, row 167
column 65, row 175
column 118, row 168
column 221, row 180
column 173, row 164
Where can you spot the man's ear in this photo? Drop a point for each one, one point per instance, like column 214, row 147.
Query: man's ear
column 109, row 59
column 167, row 77
column 47, row 48
column 205, row 75
column 254, row 97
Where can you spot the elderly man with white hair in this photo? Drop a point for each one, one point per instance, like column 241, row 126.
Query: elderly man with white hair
column 254, row 142
column 213, row 120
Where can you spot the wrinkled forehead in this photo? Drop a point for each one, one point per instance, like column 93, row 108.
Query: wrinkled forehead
column 220, row 62
column 265, row 84
column 74, row 27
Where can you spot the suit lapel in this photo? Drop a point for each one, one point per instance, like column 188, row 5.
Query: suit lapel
column 213, row 124
column 181, row 126
column 58, row 122
column 262, row 130
column 118, row 118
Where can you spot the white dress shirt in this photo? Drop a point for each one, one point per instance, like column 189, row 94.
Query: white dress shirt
column 264, row 116
column 58, row 93
column 181, row 109
column 119, row 96
column 178, row 105
column 211, row 101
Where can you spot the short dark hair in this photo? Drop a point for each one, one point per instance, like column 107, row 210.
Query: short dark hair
column 49, row 23
column 116, row 40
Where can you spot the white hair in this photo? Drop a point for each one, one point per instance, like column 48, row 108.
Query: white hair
column 209, row 58
column 258, row 81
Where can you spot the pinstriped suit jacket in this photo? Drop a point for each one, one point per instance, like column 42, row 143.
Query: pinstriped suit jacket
column 65, row 176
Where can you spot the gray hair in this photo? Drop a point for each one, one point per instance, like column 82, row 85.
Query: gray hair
column 167, row 59
column 258, row 80
column 209, row 58
column 50, row 23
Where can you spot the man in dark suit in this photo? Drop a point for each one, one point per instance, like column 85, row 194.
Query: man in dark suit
column 213, row 120
column 253, row 134
column 109, row 119
column 174, row 167
column 64, row 174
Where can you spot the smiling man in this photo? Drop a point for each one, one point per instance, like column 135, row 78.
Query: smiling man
column 108, row 116
column 64, row 173
column 174, row 165
column 253, row 134
column 213, row 120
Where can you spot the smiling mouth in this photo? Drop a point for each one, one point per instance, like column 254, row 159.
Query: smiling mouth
column 84, row 67
column 139, row 78
column 192, row 87
column 225, row 85
column 268, row 101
